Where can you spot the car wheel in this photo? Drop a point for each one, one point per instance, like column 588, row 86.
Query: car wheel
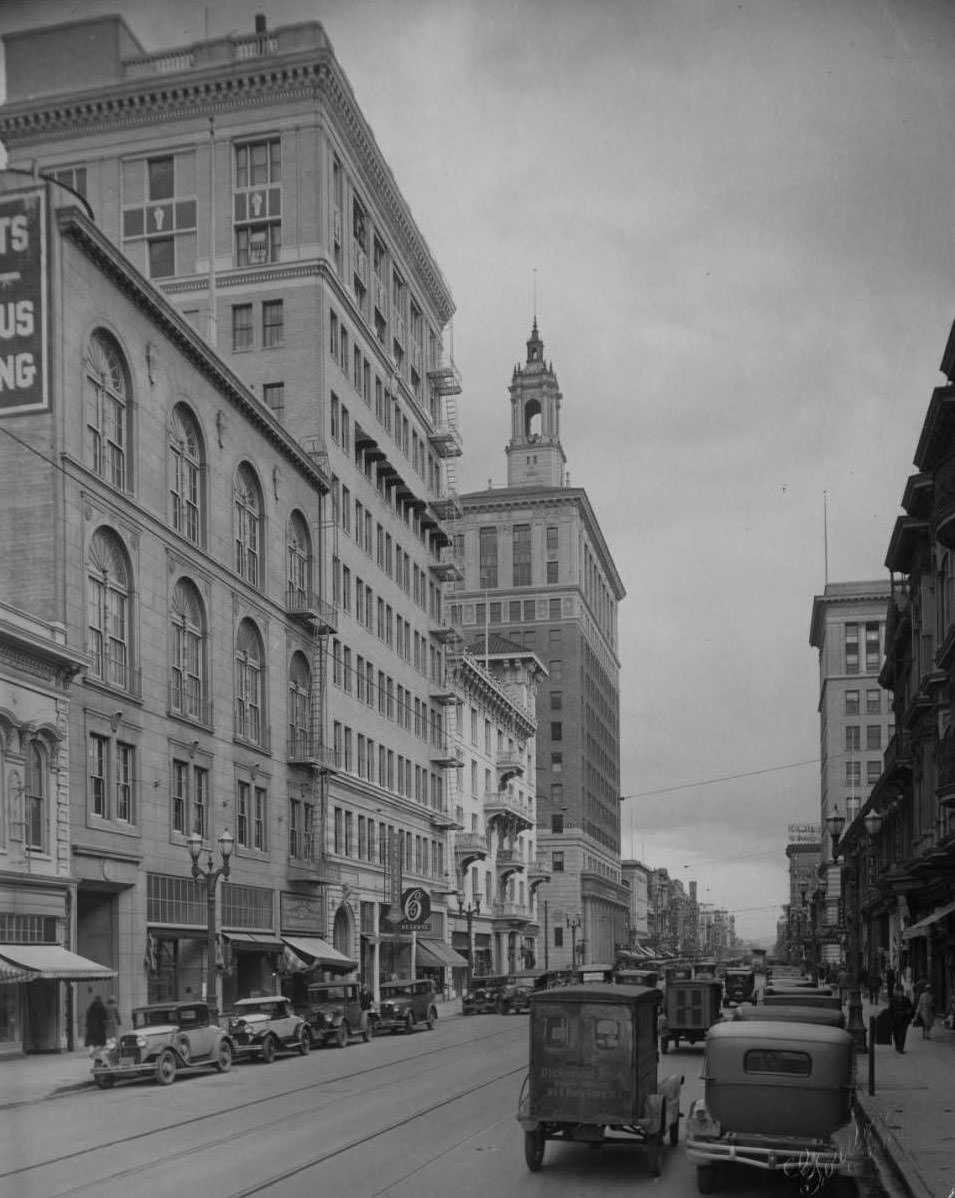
column 166, row 1067
column 432, row 1018
column 675, row 1131
column 341, row 1036
column 305, row 1042
column 706, row 1179
column 105, row 1082
column 409, row 1024
column 268, row 1050
column 653, row 1154
column 224, row 1056
column 534, row 1142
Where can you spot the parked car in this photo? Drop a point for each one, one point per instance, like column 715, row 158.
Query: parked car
column 777, row 1097
column 262, row 1027
column 515, row 997
column 790, row 1013
column 691, row 1005
column 739, row 985
column 166, row 1039
column 405, row 1005
column 334, row 1012
column 484, row 994
column 592, row 1075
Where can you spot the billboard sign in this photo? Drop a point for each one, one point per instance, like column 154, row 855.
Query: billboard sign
column 415, row 910
column 23, row 314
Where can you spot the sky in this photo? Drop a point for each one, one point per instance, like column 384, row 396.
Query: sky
column 737, row 219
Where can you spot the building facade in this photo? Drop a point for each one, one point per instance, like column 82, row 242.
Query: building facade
column 241, row 179
column 847, row 629
column 537, row 569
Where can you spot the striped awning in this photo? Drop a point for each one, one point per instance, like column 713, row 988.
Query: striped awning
column 436, row 952
column 319, row 953
column 51, row 962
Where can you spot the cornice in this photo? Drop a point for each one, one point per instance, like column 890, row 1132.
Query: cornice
column 258, row 83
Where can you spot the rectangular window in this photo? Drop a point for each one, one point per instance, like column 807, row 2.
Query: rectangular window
column 873, row 737
column 260, row 824
column 241, row 327
column 274, row 396
column 514, row 611
column 243, row 799
column 159, row 214
column 552, row 572
column 273, row 323
column 873, row 702
column 852, row 648
column 853, row 738
column 522, row 555
column 99, row 756
column 552, row 538
column 558, row 937
column 557, row 863
column 852, row 702
column 487, row 549
column 873, row 771
column 125, row 775
column 873, row 648
column 553, row 609
column 853, row 773
column 257, row 202
column 557, row 823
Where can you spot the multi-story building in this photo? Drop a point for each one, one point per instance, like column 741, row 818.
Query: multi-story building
column 803, row 853
column 637, row 877
column 537, row 568
column 161, row 517
column 240, row 177
column 855, row 723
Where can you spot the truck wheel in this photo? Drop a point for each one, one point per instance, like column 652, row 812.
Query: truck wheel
column 534, row 1149
column 706, row 1179
column 166, row 1067
column 341, row 1037
column 268, row 1050
column 224, row 1056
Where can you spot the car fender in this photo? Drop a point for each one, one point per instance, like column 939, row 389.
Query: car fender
column 653, row 1109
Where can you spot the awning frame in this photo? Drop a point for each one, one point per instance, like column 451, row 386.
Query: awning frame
column 922, row 927
column 53, row 963
column 443, row 955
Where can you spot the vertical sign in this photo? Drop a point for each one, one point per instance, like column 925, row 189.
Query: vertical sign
column 22, row 303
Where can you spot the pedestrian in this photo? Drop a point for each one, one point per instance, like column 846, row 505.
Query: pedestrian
column 842, row 981
column 95, row 1025
column 112, row 1019
column 900, row 1012
column 889, row 981
column 874, row 984
column 925, row 1010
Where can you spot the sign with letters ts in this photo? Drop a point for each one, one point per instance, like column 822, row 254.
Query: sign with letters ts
column 23, row 385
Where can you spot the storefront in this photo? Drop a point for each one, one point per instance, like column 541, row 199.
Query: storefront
column 35, row 997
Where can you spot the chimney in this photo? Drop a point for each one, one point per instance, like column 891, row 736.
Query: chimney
column 260, row 22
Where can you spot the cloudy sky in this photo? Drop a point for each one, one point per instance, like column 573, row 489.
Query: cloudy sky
column 740, row 217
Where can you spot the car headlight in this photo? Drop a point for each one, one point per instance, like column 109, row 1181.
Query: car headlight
column 701, row 1124
column 141, row 1041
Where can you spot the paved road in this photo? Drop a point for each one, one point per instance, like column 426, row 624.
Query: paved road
column 417, row 1116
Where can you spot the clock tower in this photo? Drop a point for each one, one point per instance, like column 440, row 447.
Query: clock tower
column 535, row 456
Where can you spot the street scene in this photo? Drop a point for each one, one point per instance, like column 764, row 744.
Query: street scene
column 477, row 629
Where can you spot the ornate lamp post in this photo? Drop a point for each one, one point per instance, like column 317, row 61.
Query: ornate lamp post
column 855, row 1027
column 468, row 912
column 573, row 922
column 211, row 875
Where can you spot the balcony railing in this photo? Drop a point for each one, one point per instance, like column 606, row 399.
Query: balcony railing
column 502, row 805
column 304, row 749
column 446, row 751
column 468, row 848
column 510, row 764
column 945, row 764
column 306, row 607
column 446, row 441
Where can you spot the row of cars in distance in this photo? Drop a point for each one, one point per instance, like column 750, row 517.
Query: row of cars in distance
column 176, row 1037
column 779, row 1080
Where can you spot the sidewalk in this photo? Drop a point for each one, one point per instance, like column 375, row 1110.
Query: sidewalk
column 44, row 1075
column 911, row 1117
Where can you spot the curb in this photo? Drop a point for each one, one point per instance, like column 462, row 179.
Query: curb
column 898, row 1172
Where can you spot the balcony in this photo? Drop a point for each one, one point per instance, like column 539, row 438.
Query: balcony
column 308, row 609
column 443, row 820
column 447, row 506
column 445, row 379
column 305, row 750
column 445, row 568
column 537, row 874
column 446, row 441
column 441, row 692
column 446, row 752
column 512, row 912
column 445, row 634
column 510, row 764
column 469, row 847
column 314, row 873
column 504, row 807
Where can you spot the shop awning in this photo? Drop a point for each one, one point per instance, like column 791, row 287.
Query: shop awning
column 255, row 941
column 319, row 953
column 436, row 952
column 50, row 962
column 12, row 974
column 922, row 927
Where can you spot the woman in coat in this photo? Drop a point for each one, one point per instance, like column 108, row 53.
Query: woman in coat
column 900, row 1012
column 926, row 1012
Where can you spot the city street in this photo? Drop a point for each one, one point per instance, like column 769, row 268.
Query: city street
column 403, row 1116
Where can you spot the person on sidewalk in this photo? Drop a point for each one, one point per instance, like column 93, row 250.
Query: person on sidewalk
column 95, row 1024
column 901, row 1012
column 112, row 1019
column 874, row 985
column 842, row 980
column 925, row 1011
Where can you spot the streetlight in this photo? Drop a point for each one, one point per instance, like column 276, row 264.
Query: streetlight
column 835, row 823
column 210, row 875
column 468, row 912
column 573, row 922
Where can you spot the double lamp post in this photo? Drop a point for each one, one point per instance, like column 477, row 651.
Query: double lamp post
column 210, row 875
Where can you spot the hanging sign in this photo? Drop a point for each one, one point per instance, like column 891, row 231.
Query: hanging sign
column 23, row 385
column 415, row 910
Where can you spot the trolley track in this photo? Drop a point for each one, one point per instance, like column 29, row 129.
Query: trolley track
column 437, row 1055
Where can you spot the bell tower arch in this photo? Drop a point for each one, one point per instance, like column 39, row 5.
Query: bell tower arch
column 535, row 456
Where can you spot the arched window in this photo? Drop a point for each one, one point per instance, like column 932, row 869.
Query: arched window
column 249, row 683
column 108, row 602
column 248, row 525
column 299, row 563
column 185, row 474
column 188, row 653
column 36, row 798
column 107, row 410
column 299, row 687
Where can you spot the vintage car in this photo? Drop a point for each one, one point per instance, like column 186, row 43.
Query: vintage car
column 515, row 996
column 166, row 1039
column 636, row 977
column 262, row 1027
column 334, row 1012
column 691, row 1007
column 485, row 993
column 790, row 1013
column 592, row 1075
column 739, row 985
column 822, row 1000
column 406, row 1005
column 778, row 1097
